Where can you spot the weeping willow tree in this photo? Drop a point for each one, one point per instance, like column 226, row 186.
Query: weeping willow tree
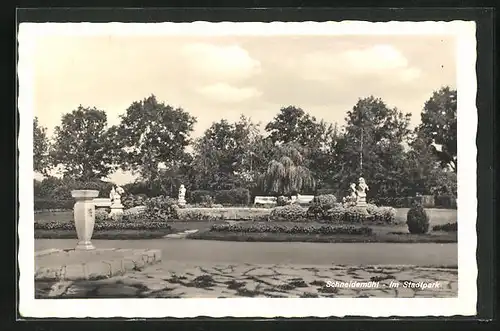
column 287, row 175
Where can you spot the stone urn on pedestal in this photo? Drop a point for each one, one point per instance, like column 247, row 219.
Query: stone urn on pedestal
column 84, row 215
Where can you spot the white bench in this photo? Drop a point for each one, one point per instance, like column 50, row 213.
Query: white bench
column 260, row 200
column 304, row 198
column 102, row 202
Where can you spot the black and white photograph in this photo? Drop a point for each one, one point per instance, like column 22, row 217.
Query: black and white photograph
column 256, row 169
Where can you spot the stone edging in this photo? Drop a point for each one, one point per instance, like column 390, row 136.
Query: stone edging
column 134, row 259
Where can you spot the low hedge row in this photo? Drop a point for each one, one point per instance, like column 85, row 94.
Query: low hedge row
column 427, row 201
column 278, row 228
column 107, row 225
column 337, row 214
column 47, row 204
column 233, row 197
column 448, row 227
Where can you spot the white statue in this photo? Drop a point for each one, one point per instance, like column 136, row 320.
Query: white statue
column 116, row 203
column 182, row 194
column 112, row 194
column 119, row 192
column 362, row 188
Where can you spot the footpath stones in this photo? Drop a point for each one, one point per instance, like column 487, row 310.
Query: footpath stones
column 271, row 281
column 73, row 265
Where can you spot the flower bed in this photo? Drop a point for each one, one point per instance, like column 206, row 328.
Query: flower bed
column 278, row 228
column 106, row 225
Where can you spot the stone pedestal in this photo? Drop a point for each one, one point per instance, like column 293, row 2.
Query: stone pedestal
column 361, row 202
column 84, row 214
column 116, row 208
column 181, row 202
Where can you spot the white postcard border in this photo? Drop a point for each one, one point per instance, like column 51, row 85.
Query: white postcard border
column 464, row 304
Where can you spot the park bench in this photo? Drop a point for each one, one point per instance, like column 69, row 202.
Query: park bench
column 260, row 200
column 304, row 199
column 102, row 202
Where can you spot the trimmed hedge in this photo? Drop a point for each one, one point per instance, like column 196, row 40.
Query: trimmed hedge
column 448, row 227
column 288, row 213
column 51, row 204
column 215, row 214
column 106, row 225
column 277, row 228
column 446, row 201
column 199, row 196
column 371, row 214
column 234, row 197
column 427, row 201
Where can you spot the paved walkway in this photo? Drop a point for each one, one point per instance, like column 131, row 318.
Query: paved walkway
column 187, row 280
column 206, row 251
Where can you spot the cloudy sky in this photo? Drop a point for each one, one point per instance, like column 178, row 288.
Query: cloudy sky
column 216, row 77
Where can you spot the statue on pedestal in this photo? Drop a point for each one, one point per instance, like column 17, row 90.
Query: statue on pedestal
column 116, row 200
column 361, row 192
column 182, row 193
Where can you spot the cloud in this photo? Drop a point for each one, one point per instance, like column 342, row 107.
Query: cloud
column 226, row 93
column 377, row 60
column 226, row 63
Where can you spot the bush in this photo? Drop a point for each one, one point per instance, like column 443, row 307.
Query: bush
column 417, row 220
column 101, row 215
column 356, row 215
column 320, row 206
column 106, row 225
column 234, row 197
column 197, row 196
column 207, row 201
column 60, row 189
column 134, row 200
column 51, row 204
column 448, row 227
column 198, row 215
column 161, row 209
column 327, row 200
column 382, row 215
column 288, row 213
column 282, row 201
column 278, row 228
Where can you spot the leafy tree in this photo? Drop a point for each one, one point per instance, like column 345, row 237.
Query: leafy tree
column 439, row 125
column 151, row 133
column 82, row 145
column 286, row 174
column 293, row 124
column 224, row 154
column 41, row 161
column 423, row 173
column 376, row 133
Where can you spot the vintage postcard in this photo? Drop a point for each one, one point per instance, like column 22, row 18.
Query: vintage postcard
column 285, row 169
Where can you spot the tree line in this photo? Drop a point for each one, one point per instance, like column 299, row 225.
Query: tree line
column 294, row 152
